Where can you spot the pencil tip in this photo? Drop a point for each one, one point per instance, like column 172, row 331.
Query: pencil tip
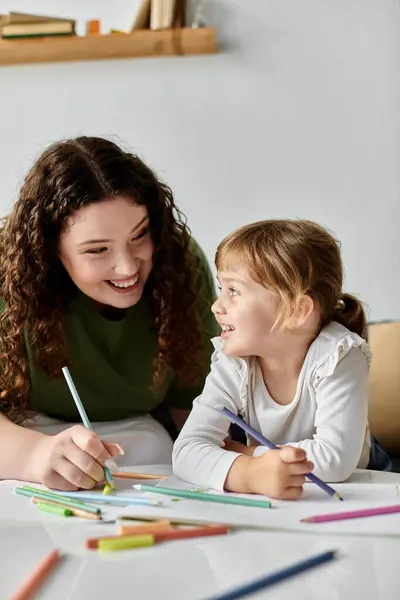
column 337, row 496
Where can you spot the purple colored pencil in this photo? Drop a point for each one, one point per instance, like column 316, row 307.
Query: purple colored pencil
column 264, row 442
column 354, row 514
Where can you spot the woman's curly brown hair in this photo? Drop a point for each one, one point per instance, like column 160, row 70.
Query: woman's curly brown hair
column 36, row 290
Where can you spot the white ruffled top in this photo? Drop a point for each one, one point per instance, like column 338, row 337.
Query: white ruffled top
column 328, row 416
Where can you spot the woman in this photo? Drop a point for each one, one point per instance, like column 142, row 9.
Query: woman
column 98, row 272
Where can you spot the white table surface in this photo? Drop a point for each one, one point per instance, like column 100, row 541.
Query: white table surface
column 368, row 567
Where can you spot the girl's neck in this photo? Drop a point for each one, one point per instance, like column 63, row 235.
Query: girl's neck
column 282, row 367
column 285, row 357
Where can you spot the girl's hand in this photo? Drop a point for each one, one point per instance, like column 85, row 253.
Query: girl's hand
column 276, row 473
column 71, row 459
column 280, row 473
column 229, row 444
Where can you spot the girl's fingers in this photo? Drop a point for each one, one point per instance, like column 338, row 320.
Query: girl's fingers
column 301, row 468
column 289, row 454
column 297, row 481
column 293, row 493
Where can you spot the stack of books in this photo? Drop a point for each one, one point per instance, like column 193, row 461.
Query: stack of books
column 160, row 14
column 16, row 25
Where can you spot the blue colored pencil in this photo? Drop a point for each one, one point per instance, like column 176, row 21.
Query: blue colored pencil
column 264, row 442
column 84, row 417
column 269, row 580
column 116, row 500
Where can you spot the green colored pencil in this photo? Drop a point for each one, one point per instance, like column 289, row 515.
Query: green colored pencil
column 222, row 499
column 31, row 492
column 60, row 510
column 51, row 495
column 84, row 417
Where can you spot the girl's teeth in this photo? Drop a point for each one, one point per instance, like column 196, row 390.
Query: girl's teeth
column 125, row 284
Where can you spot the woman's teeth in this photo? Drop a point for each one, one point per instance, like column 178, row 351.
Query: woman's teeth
column 125, row 284
column 227, row 328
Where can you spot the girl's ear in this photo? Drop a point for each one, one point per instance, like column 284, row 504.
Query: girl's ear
column 304, row 309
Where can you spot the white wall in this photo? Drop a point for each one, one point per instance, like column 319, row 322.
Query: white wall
column 297, row 116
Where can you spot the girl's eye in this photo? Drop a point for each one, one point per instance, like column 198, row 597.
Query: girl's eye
column 233, row 292
column 219, row 288
column 97, row 250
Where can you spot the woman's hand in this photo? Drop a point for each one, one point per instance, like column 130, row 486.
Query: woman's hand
column 71, row 459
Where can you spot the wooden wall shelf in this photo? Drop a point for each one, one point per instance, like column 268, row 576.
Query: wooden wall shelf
column 143, row 42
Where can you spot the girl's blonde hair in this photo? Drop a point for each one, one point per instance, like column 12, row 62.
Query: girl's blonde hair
column 294, row 258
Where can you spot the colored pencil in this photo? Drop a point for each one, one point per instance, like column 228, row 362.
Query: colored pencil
column 178, row 521
column 43, row 570
column 59, row 499
column 194, row 532
column 149, row 528
column 53, row 494
column 264, row 442
column 54, row 509
column 77, row 512
column 138, row 476
column 83, row 415
column 139, row 528
column 354, row 514
column 125, row 542
column 192, row 495
column 278, row 576
column 115, row 500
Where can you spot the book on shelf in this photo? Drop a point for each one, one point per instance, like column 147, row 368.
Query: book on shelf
column 142, row 19
column 162, row 14
column 19, row 17
column 180, row 13
column 22, row 25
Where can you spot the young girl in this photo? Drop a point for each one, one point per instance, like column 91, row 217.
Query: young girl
column 97, row 268
column 291, row 360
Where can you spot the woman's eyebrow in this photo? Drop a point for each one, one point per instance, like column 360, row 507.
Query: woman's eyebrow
column 104, row 241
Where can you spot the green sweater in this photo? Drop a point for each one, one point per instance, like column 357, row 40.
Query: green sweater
column 112, row 361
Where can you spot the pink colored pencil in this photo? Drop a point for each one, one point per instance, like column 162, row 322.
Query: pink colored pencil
column 354, row 514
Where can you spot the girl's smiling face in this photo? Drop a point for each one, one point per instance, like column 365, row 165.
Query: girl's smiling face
column 246, row 312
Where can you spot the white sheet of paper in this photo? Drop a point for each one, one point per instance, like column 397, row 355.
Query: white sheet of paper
column 358, row 493
column 286, row 516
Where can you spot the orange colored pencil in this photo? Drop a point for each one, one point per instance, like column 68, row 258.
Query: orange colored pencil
column 149, row 528
column 77, row 512
column 165, row 536
column 180, row 534
column 142, row 528
column 138, row 476
column 42, row 571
